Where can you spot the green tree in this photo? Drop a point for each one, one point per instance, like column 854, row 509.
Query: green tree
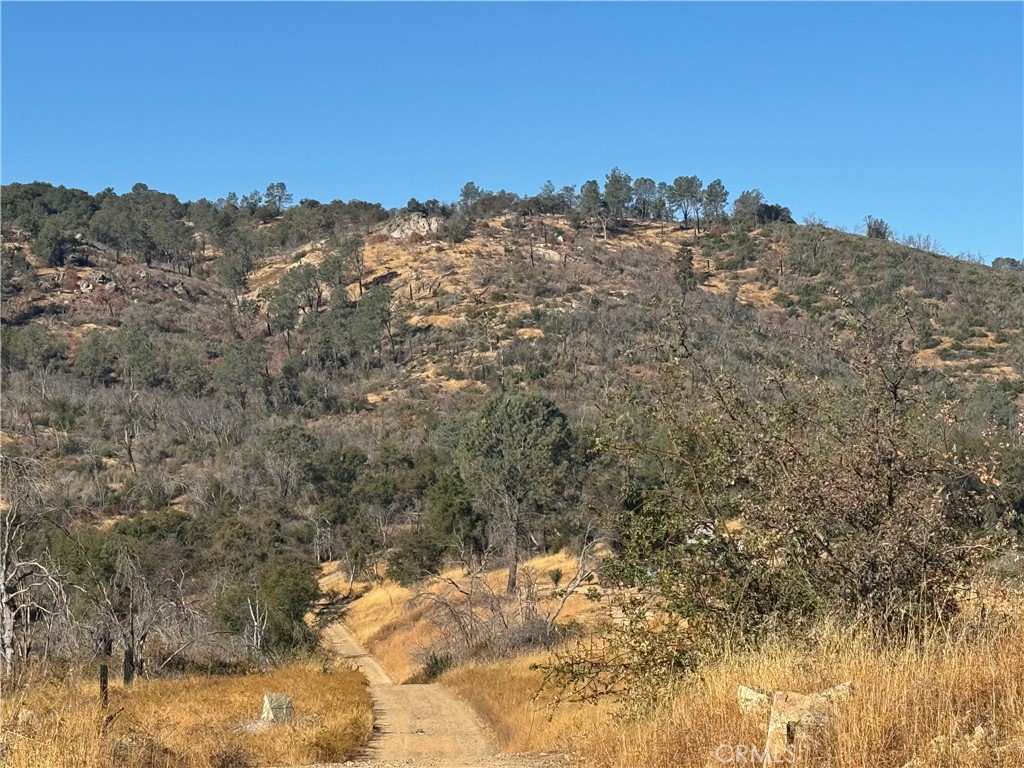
column 174, row 243
column 470, row 195
column 714, row 200
column 333, row 471
column 56, row 240
column 114, row 225
column 414, row 556
column 136, row 356
column 374, row 320
column 618, row 193
column 593, row 206
column 452, row 517
column 96, row 358
column 288, row 452
column 289, row 588
column 269, row 604
column 233, row 272
column 660, row 210
column 686, row 196
column 187, row 371
column 277, row 196
column 515, row 454
column 645, row 191
column 241, row 246
column 241, row 372
column 685, row 274
column 251, row 202
column 30, row 347
column 344, row 263
column 569, row 198
column 305, row 285
column 282, row 312
column 745, row 208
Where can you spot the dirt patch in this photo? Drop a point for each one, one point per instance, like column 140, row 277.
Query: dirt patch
column 529, row 333
column 438, row 321
column 423, row 726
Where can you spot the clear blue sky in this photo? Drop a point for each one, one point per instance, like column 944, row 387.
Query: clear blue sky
column 910, row 112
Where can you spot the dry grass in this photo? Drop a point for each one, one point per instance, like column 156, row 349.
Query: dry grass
column 399, row 635
column 916, row 705
column 909, row 703
column 195, row 722
column 920, row 703
column 756, row 294
column 383, row 624
column 508, row 697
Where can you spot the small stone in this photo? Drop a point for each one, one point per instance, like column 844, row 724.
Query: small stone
column 277, row 708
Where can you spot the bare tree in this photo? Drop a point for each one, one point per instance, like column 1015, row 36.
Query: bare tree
column 30, row 587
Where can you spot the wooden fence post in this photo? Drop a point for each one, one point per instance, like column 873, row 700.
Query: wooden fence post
column 106, row 648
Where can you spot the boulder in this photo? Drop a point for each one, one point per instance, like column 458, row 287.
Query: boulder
column 796, row 721
column 415, row 224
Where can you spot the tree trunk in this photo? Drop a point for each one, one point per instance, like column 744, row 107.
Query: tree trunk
column 105, row 649
column 513, row 560
column 8, row 621
column 129, row 664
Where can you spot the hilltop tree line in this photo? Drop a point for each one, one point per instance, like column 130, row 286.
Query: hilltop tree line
column 157, row 227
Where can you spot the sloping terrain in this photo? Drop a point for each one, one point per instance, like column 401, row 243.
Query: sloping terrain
column 195, row 423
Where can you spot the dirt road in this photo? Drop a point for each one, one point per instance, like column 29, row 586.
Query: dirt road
column 424, row 726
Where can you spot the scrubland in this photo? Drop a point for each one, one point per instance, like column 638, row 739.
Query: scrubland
column 954, row 697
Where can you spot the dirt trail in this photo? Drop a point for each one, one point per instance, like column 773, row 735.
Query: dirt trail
column 424, row 726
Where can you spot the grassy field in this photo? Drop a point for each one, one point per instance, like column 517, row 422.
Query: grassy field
column 952, row 700
column 943, row 704
column 192, row 722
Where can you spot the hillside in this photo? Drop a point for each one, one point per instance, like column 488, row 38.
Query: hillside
column 483, row 309
column 753, row 420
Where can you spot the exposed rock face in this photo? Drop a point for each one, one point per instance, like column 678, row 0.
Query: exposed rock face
column 414, row 224
column 796, row 720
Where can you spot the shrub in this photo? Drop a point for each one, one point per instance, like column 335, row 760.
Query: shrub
column 415, row 556
column 435, row 665
column 750, row 510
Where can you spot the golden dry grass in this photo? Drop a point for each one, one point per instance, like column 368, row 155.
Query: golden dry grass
column 908, row 703
column 193, row 722
column 920, row 702
column 507, row 695
column 399, row 635
column 914, row 705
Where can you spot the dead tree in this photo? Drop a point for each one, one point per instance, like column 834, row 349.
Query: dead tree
column 30, row 587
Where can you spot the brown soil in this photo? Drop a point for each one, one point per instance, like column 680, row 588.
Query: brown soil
column 424, row 726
